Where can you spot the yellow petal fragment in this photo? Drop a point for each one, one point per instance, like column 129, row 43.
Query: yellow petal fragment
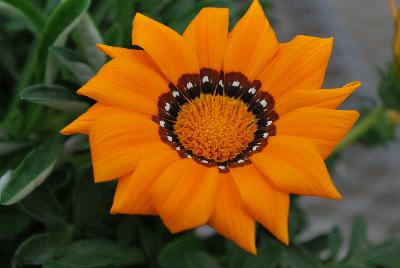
column 173, row 54
column 230, row 218
column 263, row 201
column 324, row 98
column 118, row 141
column 82, row 124
column 127, row 84
column 208, row 34
column 299, row 64
column 184, row 194
column 251, row 44
column 295, row 166
column 133, row 191
column 128, row 54
column 324, row 127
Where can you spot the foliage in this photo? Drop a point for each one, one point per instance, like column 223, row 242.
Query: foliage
column 53, row 215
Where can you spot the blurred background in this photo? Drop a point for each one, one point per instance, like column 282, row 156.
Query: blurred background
column 369, row 178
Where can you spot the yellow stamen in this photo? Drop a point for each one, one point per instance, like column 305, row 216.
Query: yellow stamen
column 215, row 127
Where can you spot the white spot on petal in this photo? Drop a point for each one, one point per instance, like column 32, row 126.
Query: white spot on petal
column 189, row 156
column 169, row 138
column 240, row 161
column 167, row 106
column 269, row 123
column 236, row 83
column 178, row 148
column 221, row 83
column 221, row 167
column 255, row 148
column 189, row 85
column 263, row 103
column 204, row 161
column 252, row 90
column 175, row 93
column 265, row 135
column 162, row 123
column 205, row 79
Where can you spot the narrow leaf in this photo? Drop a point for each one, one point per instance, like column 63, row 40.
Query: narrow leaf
column 39, row 248
column 61, row 21
column 99, row 253
column 25, row 10
column 74, row 62
column 88, row 37
column 358, row 235
column 43, row 205
column 54, row 96
column 186, row 252
column 31, row 172
column 13, row 223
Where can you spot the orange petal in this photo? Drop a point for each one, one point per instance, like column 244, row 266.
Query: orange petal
column 184, row 194
column 130, row 55
column 133, row 191
column 299, row 64
column 263, row 201
column 230, row 218
column 208, row 34
column 170, row 51
column 82, row 123
column 119, row 140
column 324, row 98
column 324, row 127
column 127, row 84
column 294, row 166
column 251, row 44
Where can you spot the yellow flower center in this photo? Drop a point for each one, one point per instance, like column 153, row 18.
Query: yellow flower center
column 215, row 127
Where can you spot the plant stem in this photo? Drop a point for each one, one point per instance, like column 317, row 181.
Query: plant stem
column 363, row 126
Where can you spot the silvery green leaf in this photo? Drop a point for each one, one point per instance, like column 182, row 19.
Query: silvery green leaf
column 31, row 172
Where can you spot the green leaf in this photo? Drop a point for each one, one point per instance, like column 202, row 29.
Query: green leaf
column 74, row 62
column 150, row 242
column 13, row 223
column 185, row 252
column 31, row 172
column 25, row 10
column 9, row 147
column 386, row 254
column 59, row 179
column 317, row 243
column 358, row 237
column 268, row 255
column 99, row 253
column 298, row 257
column 334, row 242
column 88, row 37
column 39, row 248
column 54, row 96
column 235, row 256
column 126, row 231
column 61, row 21
column 123, row 16
column 43, row 205
column 297, row 218
column 89, row 205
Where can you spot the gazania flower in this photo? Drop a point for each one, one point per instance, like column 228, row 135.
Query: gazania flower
column 216, row 128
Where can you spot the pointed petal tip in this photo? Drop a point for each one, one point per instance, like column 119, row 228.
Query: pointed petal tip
column 65, row 131
column 354, row 84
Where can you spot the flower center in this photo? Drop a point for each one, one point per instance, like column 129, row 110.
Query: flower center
column 215, row 127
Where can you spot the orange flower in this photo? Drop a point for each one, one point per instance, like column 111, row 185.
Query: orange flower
column 214, row 127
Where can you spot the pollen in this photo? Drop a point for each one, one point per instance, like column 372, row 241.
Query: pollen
column 215, row 127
